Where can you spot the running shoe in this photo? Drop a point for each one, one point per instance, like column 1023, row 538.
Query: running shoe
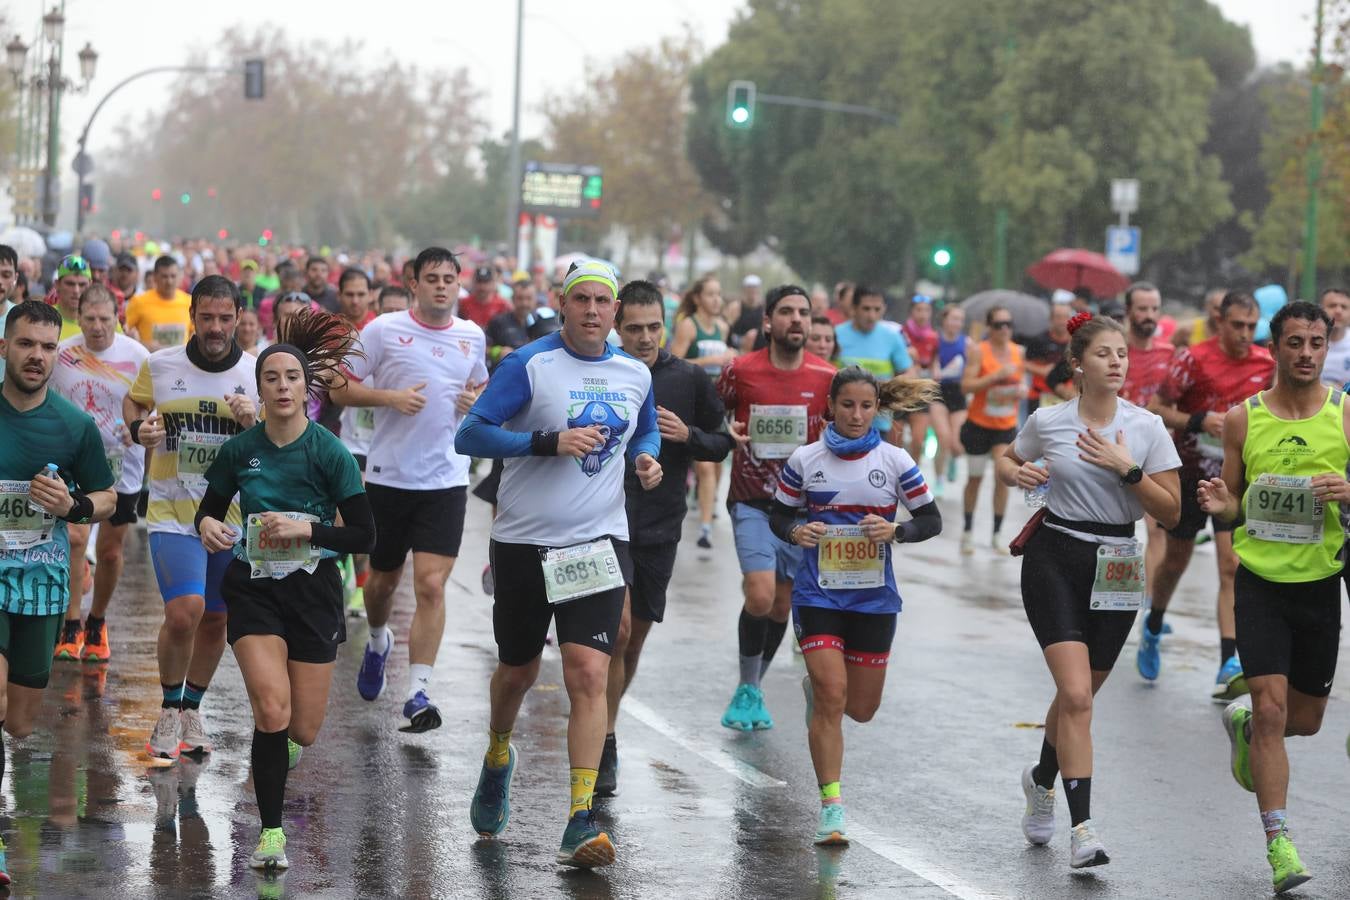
column 194, row 738
column 96, row 648
column 489, row 582
column 1038, row 822
column 1286, row 869
column 738, row 714
column 4, row 864
column 1230, row 683
column 370, row 679
column 421, row 713
column 166, row 740
column 760, row 719
column 1085, row 848
column 939, row 488
column 491, row 807
column 584, row 845
column 72, row 640
column 1235, row 719
column 999, row 547
column 810, row 699
column 951, row 471
column 830, row 832
column 356, row 603
column 704, row 542
column 271, row 852
column 1147, row 659
column 607, row 779
column 293, row 753
column 967, row 543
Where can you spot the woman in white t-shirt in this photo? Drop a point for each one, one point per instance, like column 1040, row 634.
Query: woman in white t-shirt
column 1107, row 462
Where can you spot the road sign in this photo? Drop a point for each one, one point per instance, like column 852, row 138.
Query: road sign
column 1122, row 248
column 1124, row 195
column 562, row 190
column 82, row 164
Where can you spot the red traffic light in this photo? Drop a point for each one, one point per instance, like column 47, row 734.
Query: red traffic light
column 210, row 192
column 223, row 233
column 267, row 233
column 156, row 194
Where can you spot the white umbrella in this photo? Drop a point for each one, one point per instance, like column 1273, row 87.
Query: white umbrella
column 25, row 241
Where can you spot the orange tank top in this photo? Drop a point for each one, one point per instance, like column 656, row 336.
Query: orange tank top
column 995, row 407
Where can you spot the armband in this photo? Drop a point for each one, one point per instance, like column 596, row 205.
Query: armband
column 544, row 443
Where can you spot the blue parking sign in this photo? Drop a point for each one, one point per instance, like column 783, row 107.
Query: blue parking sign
column 1122, row 248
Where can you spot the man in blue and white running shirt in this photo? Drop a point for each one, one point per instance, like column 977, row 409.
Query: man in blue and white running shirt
column 562, row 411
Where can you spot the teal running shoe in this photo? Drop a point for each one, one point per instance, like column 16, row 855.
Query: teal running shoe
column 491, row 807
column 831, row 832
column 760, row 719
column 1235, row 719
column 271, row 852
column 738, row 716
column 1286, row 869
column 584, row 845
column 1230, row 683
column 1147, row 659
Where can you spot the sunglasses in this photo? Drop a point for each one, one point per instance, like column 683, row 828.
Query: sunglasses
column 1001, row 323
column 74, row 265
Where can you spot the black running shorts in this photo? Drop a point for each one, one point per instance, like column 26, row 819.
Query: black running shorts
column 653, row 564
column 1057, row 575
column 521, row 611
column 420, row 521
column 952, row 396
column 125, row 511
column 1291, row 629
column 303, row 609
column 1193, row 518
column 978, row 440
column 864, row 638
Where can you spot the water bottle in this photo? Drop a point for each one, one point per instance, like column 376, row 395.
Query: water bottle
column 50, row 473
column 1035, row 497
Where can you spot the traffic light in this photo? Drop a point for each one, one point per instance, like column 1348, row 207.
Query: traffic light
column 253, row 79
column 87, row 197
column 223, row 233
column 156, row 194
column 942, row 257
column 186, row 198
column 741, row 104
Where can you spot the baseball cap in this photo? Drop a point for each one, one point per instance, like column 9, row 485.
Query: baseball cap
column 96, row 253
column 519, row 275
column 1112, row 309
column 126, row 261
column 752, row 281
column 484, row 273
column 249, row 264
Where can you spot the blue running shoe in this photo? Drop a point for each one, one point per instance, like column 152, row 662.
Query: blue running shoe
column 370, row 680
column 1147, row 659
column 584, row 845
column 491, row 807
column 760, row 719
column 738, row 714
column 1230, row 683
column 421, row 713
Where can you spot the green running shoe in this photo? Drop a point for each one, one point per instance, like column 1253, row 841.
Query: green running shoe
column 1235, row 719
column 271, row 852
column 1286, row 869
column 490, row 810
column 293, row 753
column 831, row 832
column 584, row 845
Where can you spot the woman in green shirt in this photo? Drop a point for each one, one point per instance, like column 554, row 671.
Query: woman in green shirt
column 282, row 591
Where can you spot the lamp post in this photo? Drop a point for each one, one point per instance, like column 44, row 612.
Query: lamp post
column 53, row 83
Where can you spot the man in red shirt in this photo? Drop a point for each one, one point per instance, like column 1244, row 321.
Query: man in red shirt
column 484, row 302
column 779, row 395
column 1204, row 382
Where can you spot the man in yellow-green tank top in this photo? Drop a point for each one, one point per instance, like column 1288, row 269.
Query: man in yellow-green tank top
column 1285, row 457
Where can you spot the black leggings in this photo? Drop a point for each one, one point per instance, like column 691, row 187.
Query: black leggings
column 1057, row 575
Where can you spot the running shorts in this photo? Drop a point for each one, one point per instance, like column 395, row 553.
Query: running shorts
column 125, row 511
column 864, row 638
column 979, row 441
column 27, row 644
column 653, row 565
column 1193, row 518
column 758, row 548
column 521, row 611
column 1057, row 576
column 1291, row 629
column 304, row 610
column 952, row 396
column 420, row 521
column 183, row 567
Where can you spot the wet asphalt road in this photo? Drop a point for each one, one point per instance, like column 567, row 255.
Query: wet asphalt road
column 931, row 783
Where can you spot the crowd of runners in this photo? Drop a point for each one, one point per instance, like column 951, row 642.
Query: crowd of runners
column 292, row 435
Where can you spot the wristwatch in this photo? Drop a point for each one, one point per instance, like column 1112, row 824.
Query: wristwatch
column 1133, row 476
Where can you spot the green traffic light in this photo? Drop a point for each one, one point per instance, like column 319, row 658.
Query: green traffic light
column 740, row 115
column 942, row 258
column 186, row 198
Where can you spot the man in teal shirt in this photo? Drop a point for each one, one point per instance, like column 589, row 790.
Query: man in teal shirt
column 56, row 474
column 872, row 344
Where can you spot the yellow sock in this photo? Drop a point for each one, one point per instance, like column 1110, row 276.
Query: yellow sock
column 499, row 748
column 583, row 786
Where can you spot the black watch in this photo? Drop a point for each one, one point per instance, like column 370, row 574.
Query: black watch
column 1134, row 476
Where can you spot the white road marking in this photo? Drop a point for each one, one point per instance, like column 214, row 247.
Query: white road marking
column 718, row 756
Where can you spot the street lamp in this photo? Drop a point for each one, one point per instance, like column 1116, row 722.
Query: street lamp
column 49, row 80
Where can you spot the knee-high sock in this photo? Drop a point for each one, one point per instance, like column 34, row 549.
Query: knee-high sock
column 269, row 775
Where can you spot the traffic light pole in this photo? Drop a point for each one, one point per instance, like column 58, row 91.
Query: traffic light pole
column 84, row 135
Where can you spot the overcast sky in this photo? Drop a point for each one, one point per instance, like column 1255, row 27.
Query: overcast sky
column 561, row 36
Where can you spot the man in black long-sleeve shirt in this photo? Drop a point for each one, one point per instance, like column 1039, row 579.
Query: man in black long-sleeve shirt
column 691, row 418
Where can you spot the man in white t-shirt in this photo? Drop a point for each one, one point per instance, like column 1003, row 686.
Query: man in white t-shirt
column 421, row 370
column 1336, row 304
column 95, row 370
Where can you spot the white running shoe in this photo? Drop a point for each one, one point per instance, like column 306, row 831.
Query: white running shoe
column 165, row 740
column 1085, row 848
column 1038, row 822
column 1000, row 549
column 967, row 543
column 194, row 738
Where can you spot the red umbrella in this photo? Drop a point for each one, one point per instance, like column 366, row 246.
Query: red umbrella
column 1069, row 268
